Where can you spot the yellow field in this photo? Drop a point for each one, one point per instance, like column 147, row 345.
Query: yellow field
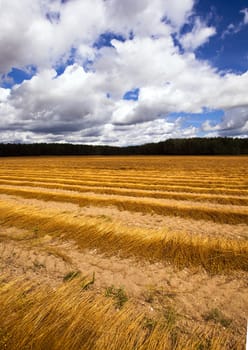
column 158, row 247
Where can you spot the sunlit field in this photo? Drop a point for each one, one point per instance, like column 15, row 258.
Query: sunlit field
column 123, row 253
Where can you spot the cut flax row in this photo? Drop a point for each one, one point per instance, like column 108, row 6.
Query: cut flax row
column 193, row 211
column 94, row 181
column 211, row 198
column 133, row 179
column 182, row 250
column 34, row 316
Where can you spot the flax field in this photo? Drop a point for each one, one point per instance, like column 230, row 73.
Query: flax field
column 123, row 253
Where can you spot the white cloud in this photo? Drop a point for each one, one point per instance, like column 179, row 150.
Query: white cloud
column 199, row 36
column 138, row 62
column 155, row 131
column 56, row 105
column 29, row 36
column 245, row 12
column 4, row 94
column 234, row 123
column 144, row 18
column 178, row 11
column 41, row 32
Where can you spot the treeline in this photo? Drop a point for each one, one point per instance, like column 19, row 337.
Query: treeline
column 193, row 146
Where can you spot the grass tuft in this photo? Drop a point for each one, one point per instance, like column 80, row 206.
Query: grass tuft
column 217, row 316
column 118, row 294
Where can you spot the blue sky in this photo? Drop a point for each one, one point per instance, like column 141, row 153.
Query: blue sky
column 122, row 73
column 227, row 50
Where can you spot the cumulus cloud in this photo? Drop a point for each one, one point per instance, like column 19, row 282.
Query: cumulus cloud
column 84, row 103
column 146, row 18
column 155, row 130
column 65, row 103
column 42, row 32
column 234, row 123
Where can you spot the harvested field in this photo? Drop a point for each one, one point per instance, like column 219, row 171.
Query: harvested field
column 125, row 252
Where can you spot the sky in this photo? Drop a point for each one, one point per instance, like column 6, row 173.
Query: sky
column 115, row 72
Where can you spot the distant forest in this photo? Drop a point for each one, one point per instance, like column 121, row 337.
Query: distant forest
column 192, row 146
